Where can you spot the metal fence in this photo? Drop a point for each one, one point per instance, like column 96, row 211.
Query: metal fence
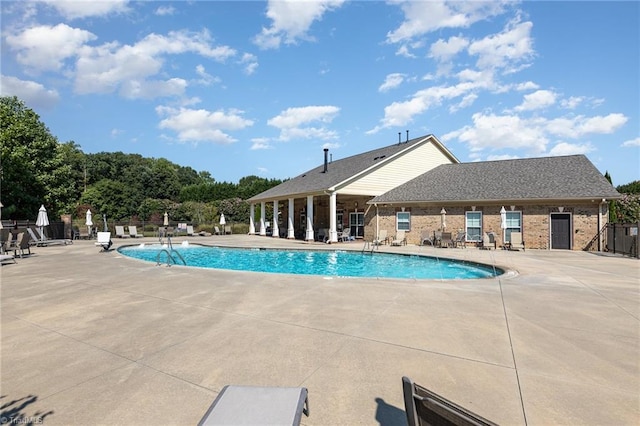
column 623, row 238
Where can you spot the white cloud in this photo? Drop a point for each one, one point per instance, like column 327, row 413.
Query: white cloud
column 105, row 68
column 261, row 143
column 201, row 125
column 631, row 143
column 150, row 89
column 250, row 62
column 576, row 127
column 291, row 21
column 533, row 135
column 509, row 50
column 422, row 17
column 537, row 100
column 443, row 50
column 391, row 82
column 572, row 102
column 45, row 48
column 564, row 148
column 73, row 9
column 501, row 132
column 165, row 11
column 32, row 93
column 206, row 79
column 294, row 122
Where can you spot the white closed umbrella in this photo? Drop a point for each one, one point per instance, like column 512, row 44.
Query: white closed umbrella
column 503, row 218
column 42, row 221
column 443, row 215
column 222, row 223
column 89, row 221
column 166, row 219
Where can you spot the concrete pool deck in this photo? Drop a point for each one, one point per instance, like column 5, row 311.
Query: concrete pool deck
column 98, row 338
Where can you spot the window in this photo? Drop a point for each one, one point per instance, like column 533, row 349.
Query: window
column 473, row 226
column 514, row 224
column 403, row 221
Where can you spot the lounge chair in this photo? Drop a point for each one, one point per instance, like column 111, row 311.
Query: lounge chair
column 190, row 231
column 424, row 407
column 516, row 241
column 426, row 237
column 486, row 243
column 41, row 240
column 399, row 239
column 120, row 232
column 104, row 240
column 446, row 240
column 216, row 230
column 133, row 232
column 252, row 405
column 6, row 257
column 382, row 238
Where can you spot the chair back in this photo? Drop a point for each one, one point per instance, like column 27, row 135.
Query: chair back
column 104, row 237
column 119, row 231
column 382, row 235
column 133, row 231
column 516, row 238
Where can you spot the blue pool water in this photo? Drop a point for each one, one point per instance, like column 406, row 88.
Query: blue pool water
column 321, row 262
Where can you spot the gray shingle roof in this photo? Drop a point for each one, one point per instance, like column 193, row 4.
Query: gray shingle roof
column 315, row 181
column 557, row 178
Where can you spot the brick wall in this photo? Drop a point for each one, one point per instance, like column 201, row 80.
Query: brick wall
column 535, row 226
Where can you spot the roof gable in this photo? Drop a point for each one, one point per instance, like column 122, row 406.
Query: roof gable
column 342, row 171
column 566, row 177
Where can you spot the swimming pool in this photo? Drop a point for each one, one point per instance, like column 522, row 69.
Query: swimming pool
column 330, row 263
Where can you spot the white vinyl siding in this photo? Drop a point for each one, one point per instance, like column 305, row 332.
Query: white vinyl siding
column 398, row 171
column 473, row 226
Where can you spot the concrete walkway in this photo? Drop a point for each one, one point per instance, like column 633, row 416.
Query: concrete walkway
column 97, row 338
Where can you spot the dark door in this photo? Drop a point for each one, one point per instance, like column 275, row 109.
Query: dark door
column 561, row 231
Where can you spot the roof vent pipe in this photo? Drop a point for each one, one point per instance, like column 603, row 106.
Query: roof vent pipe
column 399, row 138
column 326, row 159
column 407, row 136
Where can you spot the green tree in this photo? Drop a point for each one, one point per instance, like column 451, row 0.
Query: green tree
column 33, row 169
column 112, row 198
column 613, row 215
column 630, row 188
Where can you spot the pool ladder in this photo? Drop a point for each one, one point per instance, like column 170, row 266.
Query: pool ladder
column 369, row 247
column 170, row 252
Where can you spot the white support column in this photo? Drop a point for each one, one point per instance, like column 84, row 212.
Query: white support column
column 252, row 225
column 276, row 231
column 291, row 233
column 310, row 234
column 333, row 229
column 263, row 213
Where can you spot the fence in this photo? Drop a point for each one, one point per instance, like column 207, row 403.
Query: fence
column 623, row 238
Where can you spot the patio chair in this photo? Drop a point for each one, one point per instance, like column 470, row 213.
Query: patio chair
column 190, row 231
column 120, row 232
column 216, row 230
column 460, row 240
column 133, row 232
column 21, row 244
column 382, row 238
column 426, row 237
column 446, row 240
column 424, row 407
column 253, row 405
column 516, row 241
column 399, row 239
column 345, row 235
column 104, row 240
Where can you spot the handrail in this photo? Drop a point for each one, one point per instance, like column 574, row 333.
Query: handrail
column 170, row 253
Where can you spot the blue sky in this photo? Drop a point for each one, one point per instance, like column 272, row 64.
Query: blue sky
column 260, row 88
